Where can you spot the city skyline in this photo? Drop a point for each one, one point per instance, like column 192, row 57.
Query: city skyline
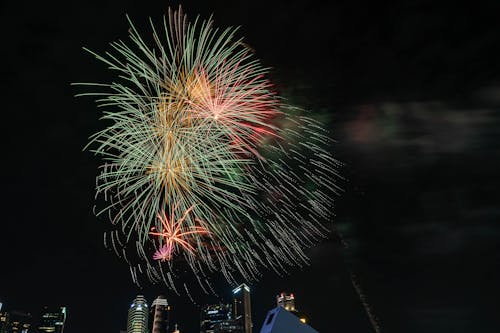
column 156, row 318
column 46, row 320
column 230, row 317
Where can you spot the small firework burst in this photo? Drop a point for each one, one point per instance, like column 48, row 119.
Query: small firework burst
column 174, row 235
column 164, row 253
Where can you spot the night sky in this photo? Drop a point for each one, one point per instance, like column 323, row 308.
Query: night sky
column 411, row 92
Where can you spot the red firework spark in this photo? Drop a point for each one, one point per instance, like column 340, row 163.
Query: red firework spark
column 236, row 99
column 174, row 234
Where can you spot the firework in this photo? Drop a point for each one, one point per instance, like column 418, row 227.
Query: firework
column 204, row 165
column 173, row 234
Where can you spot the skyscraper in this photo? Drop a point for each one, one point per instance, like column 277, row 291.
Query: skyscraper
column 160, row 315
column 286, row 301
column 137, row 321
column 242, row 311
column 52, row 320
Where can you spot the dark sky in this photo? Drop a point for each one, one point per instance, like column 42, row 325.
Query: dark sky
column 409, row 89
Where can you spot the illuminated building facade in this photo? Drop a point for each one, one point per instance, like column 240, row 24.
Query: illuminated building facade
column 218, row 318
column 19, row 322
column 15, row 322
column 160, row 315
column 4, row 322
column 52, row 320
column 137, row 321
column 229, row 318
column 229, row 326
column 242, row 310
column 286, row 301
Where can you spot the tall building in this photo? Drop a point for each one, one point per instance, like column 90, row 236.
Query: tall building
column 217, row 318
column 286, row 301
column 242, row 311
column 137, row 321
column 160, row 315
column 52, row 320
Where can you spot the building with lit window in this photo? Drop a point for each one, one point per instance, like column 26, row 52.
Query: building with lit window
column 19, row 322
column 52, row 320
column 242, row 310
column 137, row 321
column 160, row 315
column 217, row 318
column 4, row 322
column 286, row 301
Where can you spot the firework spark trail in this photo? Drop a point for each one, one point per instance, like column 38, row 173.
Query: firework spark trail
column 374, row 321
column 362, row 297
column 204, row 166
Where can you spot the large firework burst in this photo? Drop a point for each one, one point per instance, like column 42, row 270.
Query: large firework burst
column 204, row 165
